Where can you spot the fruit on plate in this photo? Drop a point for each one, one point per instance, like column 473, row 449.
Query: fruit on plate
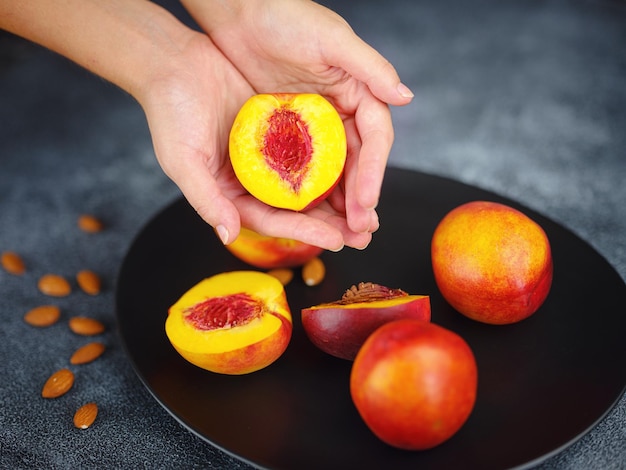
column 267, row 252
column 340, row 328
column 491, row 262
column 231, row 323
column 288, row 149
column 414, row 383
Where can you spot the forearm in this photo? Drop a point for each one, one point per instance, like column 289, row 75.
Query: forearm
column 124, row 41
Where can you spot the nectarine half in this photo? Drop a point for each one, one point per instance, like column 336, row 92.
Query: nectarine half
column 288, row 150
column 340, row 328
column 231, row 323
column 268, row 252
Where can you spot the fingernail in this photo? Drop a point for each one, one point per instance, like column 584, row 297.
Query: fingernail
column 338, row 249
column 222, row 232
column 404, row 91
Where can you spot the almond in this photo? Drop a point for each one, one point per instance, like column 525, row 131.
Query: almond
column 313, row 272
column 58, row 384
column 88, row 281
column 85, row 415
column 86, row 326
column 284, row 275
column 13, row 263
column 54, row 285
column 87, row 353
column 44, row 315
column 89, row 223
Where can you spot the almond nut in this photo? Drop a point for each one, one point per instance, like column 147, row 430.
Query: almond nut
column 44, row 315
column 13, row 263
column 89, row 223
column 284, row 275
column 85, row 415
column 54, row 285
column 58, row 384
column 87, row 353
column 88, row 281
column 313, row 271
column 86, row 326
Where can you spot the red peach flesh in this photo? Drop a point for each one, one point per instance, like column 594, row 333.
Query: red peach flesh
column 287, row 148
column 224, row 312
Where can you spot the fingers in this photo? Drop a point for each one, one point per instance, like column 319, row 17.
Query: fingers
column 370, row 136
column 373, row 122
column 193, row 176
column 365, row 64
column 269, row 221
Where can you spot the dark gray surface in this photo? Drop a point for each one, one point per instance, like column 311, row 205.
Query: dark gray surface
column 523, row 98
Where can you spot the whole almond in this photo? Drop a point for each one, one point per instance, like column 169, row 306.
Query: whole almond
column 86, row 326
column 85, row 415
column 89, row 223
column 44, row 315
column 87, row 353
column 58, row 384
column 88, row 281
column 313, row 271
column 284, row 275
column 13, row 263
column 54, row 285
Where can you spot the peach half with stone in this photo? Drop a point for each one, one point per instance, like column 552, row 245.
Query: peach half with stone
column 340, row 328
column 231, row 323
column 288, row 150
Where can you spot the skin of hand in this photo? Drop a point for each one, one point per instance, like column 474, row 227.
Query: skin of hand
column 191, row 86
column 301, row 46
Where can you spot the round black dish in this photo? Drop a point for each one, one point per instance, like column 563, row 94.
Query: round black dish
column 543, row 383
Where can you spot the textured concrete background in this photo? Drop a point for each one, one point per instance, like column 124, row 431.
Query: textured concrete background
column 525, row 98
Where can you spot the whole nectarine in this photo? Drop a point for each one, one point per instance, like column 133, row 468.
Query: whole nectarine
column 491, row 262
column 288, row 150
column 414, row 383
column 268, row 252
column 340, row 328
column 232, row 323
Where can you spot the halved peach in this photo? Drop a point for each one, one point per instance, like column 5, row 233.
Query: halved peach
column 340, row 328
column 231, row 323
column 287, row 149
column 271, row 252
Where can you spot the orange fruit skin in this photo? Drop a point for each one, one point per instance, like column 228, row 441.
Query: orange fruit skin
column 491, row 262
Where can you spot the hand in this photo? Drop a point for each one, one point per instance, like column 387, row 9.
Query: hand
column 190, row 105
column 300, row 46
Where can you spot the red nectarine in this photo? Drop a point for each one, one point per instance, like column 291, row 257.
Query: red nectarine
column 491, row 262
column 414, row 383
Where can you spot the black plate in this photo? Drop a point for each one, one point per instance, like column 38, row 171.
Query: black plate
column 543, row 383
